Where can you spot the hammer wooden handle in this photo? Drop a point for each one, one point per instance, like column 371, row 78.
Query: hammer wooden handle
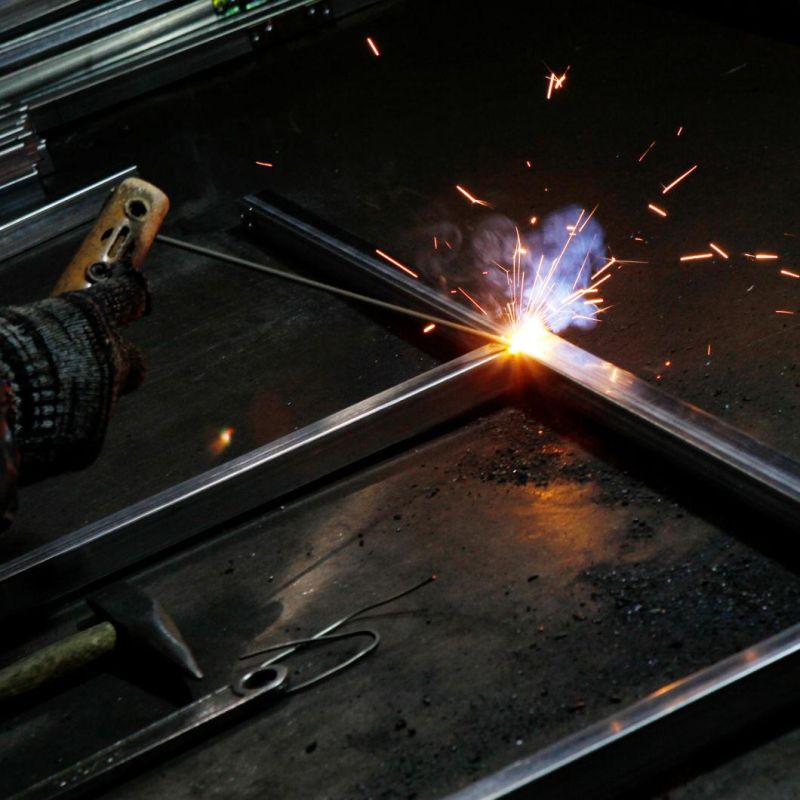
column 57, row 659
column 128, row 223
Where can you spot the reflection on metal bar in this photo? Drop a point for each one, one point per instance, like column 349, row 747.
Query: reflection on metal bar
column 58, row 216
column 769, row 481
column 658, row 731
column 216, row 496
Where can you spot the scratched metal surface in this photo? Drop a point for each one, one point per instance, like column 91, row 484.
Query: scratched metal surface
column 377, row 146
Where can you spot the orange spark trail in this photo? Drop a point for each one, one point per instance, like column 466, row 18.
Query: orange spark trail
column 396, row 263
column 649, row 148
column 789, row 274
column 473, row 301
column 373, row 46
column 697, row 257
column 718, row 249
column 765, row 257
column 657, row 210
column 555, row 82
column 429, row 327
column 781, row 311
column 680, row 131
column 679, row 179
column 586, row 221
column 263, row 163
column 708, row 349
column 474, row 200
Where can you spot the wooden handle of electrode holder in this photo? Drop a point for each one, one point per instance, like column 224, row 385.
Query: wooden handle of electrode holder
column 123, row 233
column 61, row 658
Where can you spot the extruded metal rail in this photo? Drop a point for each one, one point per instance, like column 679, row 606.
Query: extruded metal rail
column 136, row 45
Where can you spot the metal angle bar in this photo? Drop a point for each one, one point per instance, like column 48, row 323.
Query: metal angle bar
column 717, row 452
column 57, row 217
column 657, row 732
column 146, row 528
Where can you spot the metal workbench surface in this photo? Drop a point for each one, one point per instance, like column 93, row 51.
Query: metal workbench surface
column 567, row 585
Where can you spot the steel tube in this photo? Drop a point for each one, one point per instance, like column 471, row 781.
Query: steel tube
column 144, row 529
column 717, row 452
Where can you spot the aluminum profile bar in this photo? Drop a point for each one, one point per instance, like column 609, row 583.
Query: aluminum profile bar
column 57, row 217
column 747, row 469
column 158, row 49
column 653, row 734
column 164, row 520
column 75, row 28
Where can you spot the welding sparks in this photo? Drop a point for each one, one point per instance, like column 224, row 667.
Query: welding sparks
column 373, row 47
column 396, row 263
column 657, row 209
column 555, row 82
column 789, row 273
column 474, row 200
column 429, row 328
column 473, row 301
column 677, row 180
column 697, row 257
column 649, row 148
column 680, row 131
column 782, row 311
column 221, row 441
column 718, row 250
column 765, row 257
column 528, row 338
column 553, row 279
column 263, row 163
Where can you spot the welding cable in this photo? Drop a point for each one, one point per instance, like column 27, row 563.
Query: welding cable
column 361, row 298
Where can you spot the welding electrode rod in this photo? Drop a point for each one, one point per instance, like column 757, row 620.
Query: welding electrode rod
column 290, row 276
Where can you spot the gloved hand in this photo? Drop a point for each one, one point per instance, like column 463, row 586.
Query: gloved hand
column 63, row 364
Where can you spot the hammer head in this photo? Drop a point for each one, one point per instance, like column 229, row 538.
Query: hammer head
column 142, row 621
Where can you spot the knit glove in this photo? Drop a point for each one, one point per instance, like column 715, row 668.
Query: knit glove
column 62, row 365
